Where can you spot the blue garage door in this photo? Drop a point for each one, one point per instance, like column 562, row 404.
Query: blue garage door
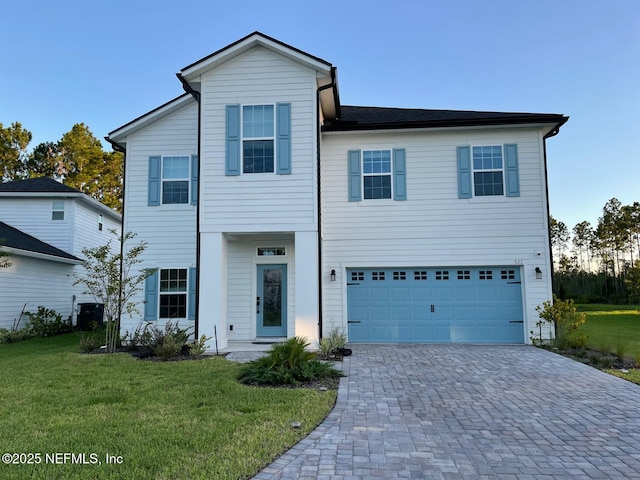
column 472, row 305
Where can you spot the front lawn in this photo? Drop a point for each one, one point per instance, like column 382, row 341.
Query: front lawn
column 613, row 328
column 160, row 420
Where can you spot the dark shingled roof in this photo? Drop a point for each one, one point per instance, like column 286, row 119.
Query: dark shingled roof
column 379, row 118
column 40, row 184
column 12, row 237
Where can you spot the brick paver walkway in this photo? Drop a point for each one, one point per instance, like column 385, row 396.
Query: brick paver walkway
column 470, row 412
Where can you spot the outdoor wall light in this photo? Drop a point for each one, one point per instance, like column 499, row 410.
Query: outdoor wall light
column 538, row 273
column 333, row 274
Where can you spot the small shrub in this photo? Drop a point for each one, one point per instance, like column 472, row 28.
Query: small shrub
column 90, row 341
column 566, row 320
column 287, row 363
column 170, row 347
column 330, row 346
column 198, row 347
column 12, row 336
column 46, row 323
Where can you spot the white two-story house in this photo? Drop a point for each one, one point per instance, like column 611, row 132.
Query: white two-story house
column 272, row 210
column 44, row 226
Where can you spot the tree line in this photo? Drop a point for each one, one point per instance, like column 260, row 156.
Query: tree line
column 77, row 160
column 601, row 262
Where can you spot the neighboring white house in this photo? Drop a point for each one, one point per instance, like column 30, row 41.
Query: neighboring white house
column 45, row 225
column 272, row 210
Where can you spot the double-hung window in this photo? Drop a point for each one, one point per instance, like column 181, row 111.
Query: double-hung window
column 173, row 293
column 488, row 175
column 175, row 179
column 376, row 174
column 488, row 171
column 258, row 139
column 57, row 210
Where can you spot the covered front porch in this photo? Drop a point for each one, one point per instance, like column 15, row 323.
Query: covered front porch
column 257, row 288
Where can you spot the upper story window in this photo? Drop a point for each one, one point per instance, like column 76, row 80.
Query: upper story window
column 100, row 222
column 376, row 174
column 488, row 174
column 175, row 179
column 57, row 210
column 485, row 171
column 258, row 139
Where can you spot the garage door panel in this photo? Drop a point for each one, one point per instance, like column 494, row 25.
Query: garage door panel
column 473, row 305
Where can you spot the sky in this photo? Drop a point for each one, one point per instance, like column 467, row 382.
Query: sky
column 106, row 63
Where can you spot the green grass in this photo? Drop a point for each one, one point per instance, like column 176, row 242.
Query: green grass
column 167, row 420
column 632, row 375
column 615, row 328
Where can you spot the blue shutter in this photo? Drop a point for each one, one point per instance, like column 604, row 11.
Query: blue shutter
column 464, row 172
column 283, row 128
column 232, row 166
column 194, row 179
column 154, row 182
column 355, row 190
column 191, row 304
column 511, row 170
column 151, row 297
column 399, row 175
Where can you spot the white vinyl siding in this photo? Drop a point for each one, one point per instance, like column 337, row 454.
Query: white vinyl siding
column 169, row 230
column 248, row 202
column 434, row 227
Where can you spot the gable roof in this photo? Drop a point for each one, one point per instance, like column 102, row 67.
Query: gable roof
column 48, row 187
column 21, row 242
column 246, row 43
column 379, row 118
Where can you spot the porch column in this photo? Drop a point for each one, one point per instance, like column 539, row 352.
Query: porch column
column 306, row 286
column 212, row 275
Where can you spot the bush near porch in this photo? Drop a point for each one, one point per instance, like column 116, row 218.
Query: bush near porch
column 166, row 420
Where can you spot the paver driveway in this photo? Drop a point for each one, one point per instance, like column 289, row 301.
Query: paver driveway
column 471, row 412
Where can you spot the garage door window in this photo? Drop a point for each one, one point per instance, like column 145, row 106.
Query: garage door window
column 464, row 275
column 485, row 275
column 442, row 274
column 508, row 274
column 420, row 275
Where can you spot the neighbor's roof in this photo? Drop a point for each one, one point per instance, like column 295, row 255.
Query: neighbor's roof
column 40, row 185
column 379, row 118
column 18, row 240
column 47, row 186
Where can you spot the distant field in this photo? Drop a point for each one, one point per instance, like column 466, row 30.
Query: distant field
column 615, row 328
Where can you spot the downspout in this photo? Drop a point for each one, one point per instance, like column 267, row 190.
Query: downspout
column 332, row 85
column 119, row 148
column 196, row 95
column 552, row 133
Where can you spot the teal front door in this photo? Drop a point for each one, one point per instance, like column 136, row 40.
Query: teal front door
column 271, row 301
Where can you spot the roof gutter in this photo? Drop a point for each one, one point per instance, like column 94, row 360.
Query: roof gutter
column 334, row 86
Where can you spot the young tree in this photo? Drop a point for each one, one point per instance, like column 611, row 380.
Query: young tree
column 110, row 278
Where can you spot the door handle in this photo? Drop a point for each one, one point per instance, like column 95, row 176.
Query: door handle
column 257, row 304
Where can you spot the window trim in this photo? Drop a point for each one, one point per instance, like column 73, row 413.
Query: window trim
column 389, row 174
column 186, row 179
column 502, row 170
column 272, row 138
